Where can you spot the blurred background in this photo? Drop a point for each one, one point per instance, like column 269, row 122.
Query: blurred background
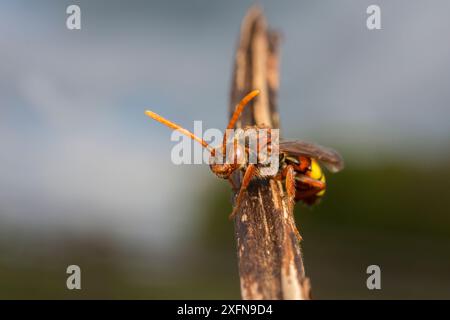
column 87, row 179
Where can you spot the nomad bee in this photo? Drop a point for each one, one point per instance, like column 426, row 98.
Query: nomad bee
column 299, row 167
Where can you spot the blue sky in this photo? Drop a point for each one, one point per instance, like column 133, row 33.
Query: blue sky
column 77, row 149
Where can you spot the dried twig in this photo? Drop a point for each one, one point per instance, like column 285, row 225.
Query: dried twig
column 270, row 260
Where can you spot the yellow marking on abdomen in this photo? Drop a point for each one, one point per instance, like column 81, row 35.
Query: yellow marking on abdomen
column 317, row 173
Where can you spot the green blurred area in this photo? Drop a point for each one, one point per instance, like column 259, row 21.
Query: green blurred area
column 393, row 215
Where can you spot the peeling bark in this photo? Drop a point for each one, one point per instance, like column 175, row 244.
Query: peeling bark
column 270, row 259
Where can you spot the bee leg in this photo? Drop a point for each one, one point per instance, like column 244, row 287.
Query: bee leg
column 290, row 190
column 249, row 173
column 315, row 185
column 290, row 185
column 233, row 185
column 296, row 232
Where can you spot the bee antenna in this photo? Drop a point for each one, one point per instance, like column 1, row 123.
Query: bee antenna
column 240, row 106
column 177, row 127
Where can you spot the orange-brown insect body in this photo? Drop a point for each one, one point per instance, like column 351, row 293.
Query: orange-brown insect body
column 303, row 166
column 298, row 166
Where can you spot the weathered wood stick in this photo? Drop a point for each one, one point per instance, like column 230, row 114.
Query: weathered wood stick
column 270, row 259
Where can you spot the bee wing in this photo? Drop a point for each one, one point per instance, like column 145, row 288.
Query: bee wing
column 330, row 158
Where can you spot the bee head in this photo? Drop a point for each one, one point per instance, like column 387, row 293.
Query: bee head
column 223, row 165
